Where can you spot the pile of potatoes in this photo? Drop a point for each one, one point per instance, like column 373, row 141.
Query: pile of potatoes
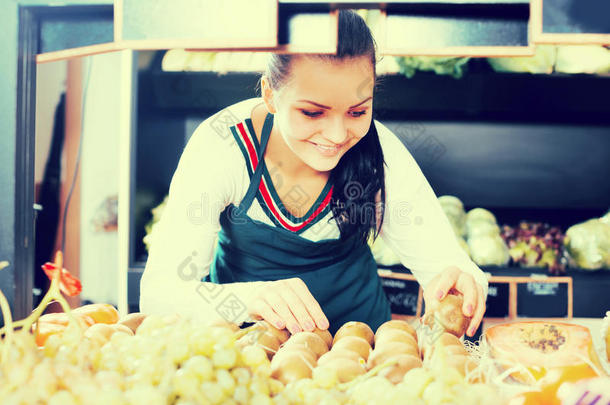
column 355, row 349
column 99, row 322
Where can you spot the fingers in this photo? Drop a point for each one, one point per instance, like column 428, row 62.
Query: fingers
column 312, row 306
column 447, row 280
column 468, row 287
column 297, row 308
column 264, row 310
column 280, row 306
column 290, row 304
column 479, row 312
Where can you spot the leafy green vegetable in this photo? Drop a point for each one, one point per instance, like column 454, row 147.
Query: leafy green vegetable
column 452, row 66
column 588, row 244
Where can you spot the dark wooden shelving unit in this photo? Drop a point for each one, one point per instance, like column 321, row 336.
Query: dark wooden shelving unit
column 540, row 120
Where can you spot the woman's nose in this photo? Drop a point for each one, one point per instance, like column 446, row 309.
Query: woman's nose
column 337, row 132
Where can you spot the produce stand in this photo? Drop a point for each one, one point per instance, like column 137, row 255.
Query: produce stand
column 96, row 353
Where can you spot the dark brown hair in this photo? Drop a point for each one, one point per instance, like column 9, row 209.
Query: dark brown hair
column 359, row 175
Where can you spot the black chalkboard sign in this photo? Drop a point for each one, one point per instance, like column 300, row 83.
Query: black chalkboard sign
column 497, row 300
column 542, row 300
column 402, row 295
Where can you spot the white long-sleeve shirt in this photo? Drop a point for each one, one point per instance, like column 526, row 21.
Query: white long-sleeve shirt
column 212, row 173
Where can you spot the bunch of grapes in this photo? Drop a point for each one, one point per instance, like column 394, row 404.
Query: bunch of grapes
column 536, row 244
column 167, row 361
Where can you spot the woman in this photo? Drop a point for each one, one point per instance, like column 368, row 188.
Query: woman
column 273, row 211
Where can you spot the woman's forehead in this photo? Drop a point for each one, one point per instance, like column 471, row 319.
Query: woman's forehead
column 342, row 83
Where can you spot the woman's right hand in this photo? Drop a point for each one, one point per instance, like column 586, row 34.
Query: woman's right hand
column 287, row 304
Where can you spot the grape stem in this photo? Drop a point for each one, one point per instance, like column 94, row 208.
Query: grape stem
column 8, row 320
column 53, row 294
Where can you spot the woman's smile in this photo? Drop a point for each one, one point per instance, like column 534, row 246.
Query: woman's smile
column 327, row 149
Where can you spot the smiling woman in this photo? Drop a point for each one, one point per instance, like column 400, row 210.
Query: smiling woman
column 291, row 189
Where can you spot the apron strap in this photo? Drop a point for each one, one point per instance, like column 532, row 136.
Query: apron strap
column 256, row 177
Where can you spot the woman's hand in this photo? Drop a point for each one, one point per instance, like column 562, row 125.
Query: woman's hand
column 474, row 300
column 287, row 304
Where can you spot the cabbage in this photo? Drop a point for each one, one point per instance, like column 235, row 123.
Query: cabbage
column 488, row 250
column 440, row 65
column 582, row 59
column 541, row 62
column 454, row 210
column 382, row 253
column 150, row 226
column 588, row 244
column 481, row 227
column 476, row 214
column 606, row 218
column 464, row 245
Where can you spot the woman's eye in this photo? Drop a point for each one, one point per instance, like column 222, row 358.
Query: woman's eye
column 311, row 113
column 358, row 113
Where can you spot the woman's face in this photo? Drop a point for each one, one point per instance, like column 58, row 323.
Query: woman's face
column 325, row 108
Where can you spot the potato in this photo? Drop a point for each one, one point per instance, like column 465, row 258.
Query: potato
column 100, row 332
column 455, row 350
column 448, row 314
column 282, row 335
column 101, row 313
column 339, row 354
column 310, row 340
column 396, row 372
column 445, row 339
column 354, row 328
column 224, row 324
column 463, row 364
column 394, row 335
column 290, row 367
column 345, row 370
column 47, row 329
column 355, row 344
column 265, row 340
column 397, row 324
column 133, row 320
column 122, row 329
column 61, row 318
column 389, row 350
column 325, row 335
column 298, row 348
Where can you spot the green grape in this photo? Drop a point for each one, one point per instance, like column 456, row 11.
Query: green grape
column 51, row 345
column 200, row 366
column 109, row 378
column 325, row 377
column 241, row 394
column 201, row 342
column 46, row 383
column 108, row 396
column 185, row 383
column 177, row 352
column 242, row 375
column 224, row 358
column 417, row 379
column 253, row 356
column 436, row 393
column 62, row 397
column 261, row 399
column 225, row 381
column 150, row 324
column 213, row 392
column 145, row 394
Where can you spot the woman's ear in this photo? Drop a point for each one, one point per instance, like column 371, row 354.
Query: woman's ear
column 267, row 93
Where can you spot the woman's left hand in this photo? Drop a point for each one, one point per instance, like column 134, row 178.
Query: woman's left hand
column 474, row 299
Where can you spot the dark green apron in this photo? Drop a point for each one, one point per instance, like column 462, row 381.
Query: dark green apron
column 341, row 275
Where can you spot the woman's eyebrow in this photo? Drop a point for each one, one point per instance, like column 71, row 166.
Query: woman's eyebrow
column 328, row 108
